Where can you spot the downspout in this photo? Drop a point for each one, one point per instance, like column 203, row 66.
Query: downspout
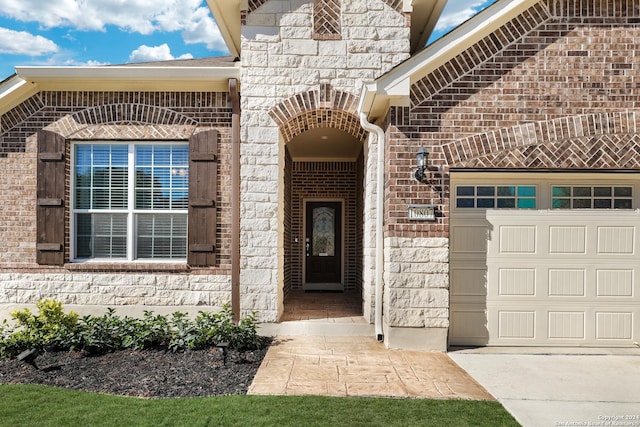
column 235, row 198
column 380, row 138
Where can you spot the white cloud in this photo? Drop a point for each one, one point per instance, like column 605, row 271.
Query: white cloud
column 93, row 63
column 62, row 58
column 202, row 29
column 141, row 16
column 23, row 43
column 458, row 11
column 155, row 53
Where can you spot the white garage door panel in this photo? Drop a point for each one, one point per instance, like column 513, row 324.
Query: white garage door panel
column 553, row 278
column 562, row 325
column 591, row 281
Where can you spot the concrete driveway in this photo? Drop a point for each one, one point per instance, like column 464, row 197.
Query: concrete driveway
column 560, row 387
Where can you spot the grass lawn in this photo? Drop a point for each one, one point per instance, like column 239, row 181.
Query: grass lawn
column 28, row 405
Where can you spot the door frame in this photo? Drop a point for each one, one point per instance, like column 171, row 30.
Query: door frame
column 322, row 286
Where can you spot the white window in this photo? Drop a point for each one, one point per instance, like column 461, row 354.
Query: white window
column 130, row 201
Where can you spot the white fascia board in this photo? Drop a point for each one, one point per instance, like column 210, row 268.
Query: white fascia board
column 446, row 48
column 376, row 100
column 367, row 97
column 13, row 91
column 373, row 103
column 430, row 25
column 226, row 13
column 11, row 85
column 43, row 74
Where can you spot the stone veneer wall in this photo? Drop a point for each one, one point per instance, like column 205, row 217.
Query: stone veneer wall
column 558, row 87
column 117, row 289
column 280, row 60
column 105, row 116
column 369, row 228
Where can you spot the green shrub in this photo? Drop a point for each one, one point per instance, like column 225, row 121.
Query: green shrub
column 4, row 336
column 107, row 333
column 183, row 332
column 246, row 334
column 216, row 328
column 50, row 327
column 98, row 334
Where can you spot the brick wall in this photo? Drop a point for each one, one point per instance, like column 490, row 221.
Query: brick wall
column 556, row 88
column 326, row 180
column 547, row 90
column 105, row 116
column 289, row 245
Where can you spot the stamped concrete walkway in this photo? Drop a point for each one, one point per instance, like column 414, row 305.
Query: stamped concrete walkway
column 360, row 366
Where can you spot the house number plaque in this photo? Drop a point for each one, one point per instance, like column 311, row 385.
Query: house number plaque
column 422, row 212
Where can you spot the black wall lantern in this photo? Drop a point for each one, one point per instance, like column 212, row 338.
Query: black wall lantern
column 432, row 175
column 422, row 161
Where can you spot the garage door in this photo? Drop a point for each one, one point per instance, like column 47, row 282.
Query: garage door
column 544, row 261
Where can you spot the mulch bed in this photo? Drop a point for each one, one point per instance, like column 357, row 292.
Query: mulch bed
column 149, row 373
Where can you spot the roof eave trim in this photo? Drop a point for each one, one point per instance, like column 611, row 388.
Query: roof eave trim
column 450, row 45
column 36, row 74
column 373, row 103
column 429, row 25
column 223, row 11
column 13, row 91
column 11, row 85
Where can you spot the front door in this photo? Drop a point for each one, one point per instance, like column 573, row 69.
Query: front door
column 323, row 246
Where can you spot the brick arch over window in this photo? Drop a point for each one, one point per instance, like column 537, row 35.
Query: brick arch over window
column 318, row 109
column 594, row 141
column 124, row 121
column 134, row 122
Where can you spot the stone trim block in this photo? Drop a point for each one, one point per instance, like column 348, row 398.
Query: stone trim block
column 416, row 282
column 117, row 289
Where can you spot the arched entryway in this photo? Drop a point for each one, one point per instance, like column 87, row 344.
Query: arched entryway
column 322, row 213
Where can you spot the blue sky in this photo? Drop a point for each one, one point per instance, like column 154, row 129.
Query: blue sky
column 100, row 32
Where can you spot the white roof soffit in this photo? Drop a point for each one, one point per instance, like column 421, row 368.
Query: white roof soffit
column 394, row 87
column 29, row 80
column 227, row 16
column 124, row 77
column 13, row 91
column 424, row 17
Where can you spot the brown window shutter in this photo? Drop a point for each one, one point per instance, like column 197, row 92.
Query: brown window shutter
column 203, row 169
column 50, row 198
